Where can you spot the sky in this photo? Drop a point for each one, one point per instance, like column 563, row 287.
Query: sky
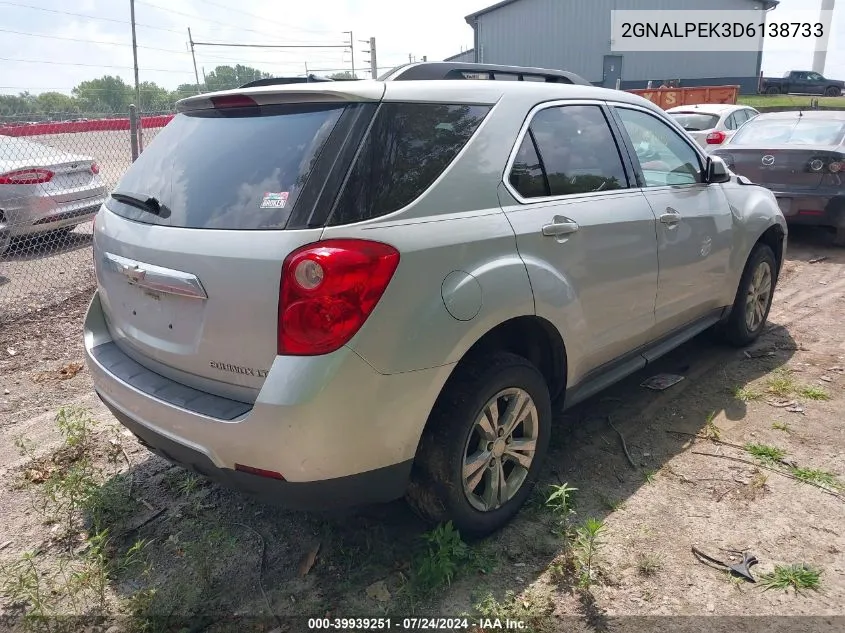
column 63, row 49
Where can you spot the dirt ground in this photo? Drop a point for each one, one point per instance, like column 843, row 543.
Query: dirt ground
column 201, row 554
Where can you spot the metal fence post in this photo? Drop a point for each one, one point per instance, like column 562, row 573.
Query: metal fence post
column 133, row 131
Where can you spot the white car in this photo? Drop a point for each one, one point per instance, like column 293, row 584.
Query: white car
column 712, row 124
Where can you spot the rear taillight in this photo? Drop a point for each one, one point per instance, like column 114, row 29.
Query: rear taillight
column 328, row 291
column 835, row 167
column 716, row 138
column 95, row 168
column 26, row 177
column 233, row 101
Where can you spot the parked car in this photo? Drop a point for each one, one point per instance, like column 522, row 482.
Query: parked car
column 801, row 158
column 388, row 289
column 712, row 124
column 44, row 189
column 802, row 82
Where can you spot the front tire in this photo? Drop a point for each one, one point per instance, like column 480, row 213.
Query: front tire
column 772, row 90
column 832, row 91
column 484, row 445
column 753, row 298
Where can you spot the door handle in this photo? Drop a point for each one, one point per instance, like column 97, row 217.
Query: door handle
column 560, row 226
column 671, row 217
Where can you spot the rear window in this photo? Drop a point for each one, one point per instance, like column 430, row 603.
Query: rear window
column 229, row 169
column 407, row 148
column 790, row 132
column 695, row 122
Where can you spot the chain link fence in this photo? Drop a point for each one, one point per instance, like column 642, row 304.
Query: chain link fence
column 54, row 175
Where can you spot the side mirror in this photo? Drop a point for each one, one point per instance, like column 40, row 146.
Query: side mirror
column 717, row 170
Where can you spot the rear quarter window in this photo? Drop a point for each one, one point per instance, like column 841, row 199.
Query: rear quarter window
column 407, row 148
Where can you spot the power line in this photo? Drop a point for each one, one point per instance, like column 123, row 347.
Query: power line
column 86, row 41
column 262, row 18
column 272, row 45
column 44, row 61
column 87, row 17
column 227, row 25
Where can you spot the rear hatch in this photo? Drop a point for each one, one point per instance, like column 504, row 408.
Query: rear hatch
column 789, row 154
column 190, row 250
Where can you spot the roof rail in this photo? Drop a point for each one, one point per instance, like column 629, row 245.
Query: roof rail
column 455, row 70
column 277, row 81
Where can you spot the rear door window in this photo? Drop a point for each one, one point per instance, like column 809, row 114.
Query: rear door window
column 407, row 148
column 241, row 168
column 576, row 153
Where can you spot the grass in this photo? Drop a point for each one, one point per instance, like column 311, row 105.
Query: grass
column 781, row 383
column 650, row 476
column 746, row 394
column 762, row 101
column 649, row 564
column 782, row 426
column 445, row 555
column 819, row 477
column 811, row 392
column 530, row 609
column 765, row 453
column 611, row 504
column 711, row 429
column 798, row 577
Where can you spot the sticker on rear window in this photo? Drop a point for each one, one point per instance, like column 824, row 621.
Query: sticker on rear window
column 274, row 200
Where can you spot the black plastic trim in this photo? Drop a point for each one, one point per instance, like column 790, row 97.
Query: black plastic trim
column 113, row 360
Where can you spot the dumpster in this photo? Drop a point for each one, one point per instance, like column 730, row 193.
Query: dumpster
column 670, row 97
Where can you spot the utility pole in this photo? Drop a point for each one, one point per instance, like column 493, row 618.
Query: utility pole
column 135, row 53
column 351, row 48
column 372, row 53
column 196, row 74
column 820, row 53
column 204, row 78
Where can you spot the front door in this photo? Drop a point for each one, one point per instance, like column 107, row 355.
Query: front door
column 612, row 70
column 695, row 223
column 586, row 233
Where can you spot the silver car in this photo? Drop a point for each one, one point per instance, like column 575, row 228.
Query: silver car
column 341, row 293
column 45, row 189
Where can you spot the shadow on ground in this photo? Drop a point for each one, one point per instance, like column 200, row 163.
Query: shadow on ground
column 211, row 553
column 35, row 247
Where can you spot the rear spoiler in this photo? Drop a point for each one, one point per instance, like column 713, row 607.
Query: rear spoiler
column 275, row 94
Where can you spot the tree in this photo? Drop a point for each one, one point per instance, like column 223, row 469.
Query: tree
column 228, row 77
column 55, row 104
column 343, row 75
column 107, row 94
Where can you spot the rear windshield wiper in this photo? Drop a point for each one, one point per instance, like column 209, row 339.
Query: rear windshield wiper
column 140, row 201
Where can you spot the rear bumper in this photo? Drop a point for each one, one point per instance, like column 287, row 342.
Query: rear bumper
column 338, row 432
column 809, row 208
column 44, row 214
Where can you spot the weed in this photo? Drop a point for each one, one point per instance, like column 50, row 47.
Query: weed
column 811, row 392
column 76, row 426
column 819, row 477
column 781, row 383
column 531, row 610
column 798, row 577
column 587, row 543
column 444, row 555
column 711, row 429
column 611, row 504
column 562, row 503
column 781, row 426
column 765, row 453
column 746, row 394
column 110, row 505
column 650, row 476
column 649, row 564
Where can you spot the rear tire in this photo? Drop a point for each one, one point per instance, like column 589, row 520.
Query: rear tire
column 753, row 298
column 772, row 90
column 468, row 446
column 832, row 91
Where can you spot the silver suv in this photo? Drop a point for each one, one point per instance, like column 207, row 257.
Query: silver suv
column 340, row 293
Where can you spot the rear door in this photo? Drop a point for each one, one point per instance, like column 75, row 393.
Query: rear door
column 590, row 232
column 190, row 284
column 695, row 223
